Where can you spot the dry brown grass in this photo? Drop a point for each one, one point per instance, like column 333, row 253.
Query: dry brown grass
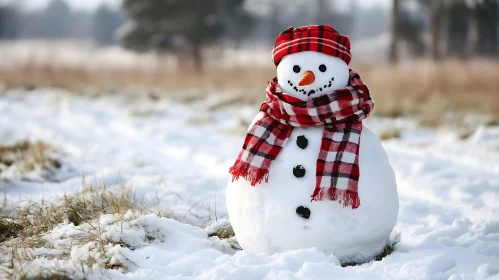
column 389, row 248
column 27, row 156
column 34, row 218
column 432, row 90
column 424, row 89
column 22, row 228
column 241, row 81
column 55, row 276
column 390, row 134
column 224, row 231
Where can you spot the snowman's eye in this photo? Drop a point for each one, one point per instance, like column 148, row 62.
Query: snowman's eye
column 322, row 68
column 296, row 69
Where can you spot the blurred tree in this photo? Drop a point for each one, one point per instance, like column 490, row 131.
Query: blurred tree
column 275, row 25
column 458, row 16
column 274, row 16
column 371, row 21
column 323, row 12
column 437, row 15
column 267, row 21
column 237, row 22
column 487, row 18
column 328, row 13
column 31, row 24
column 395, row 24
column 104, row 25
column 82, row 24
column 56, row 20
column 178, row 25
column 9, row 22
column 411, row 28
column 436, row 22
column 406, row 26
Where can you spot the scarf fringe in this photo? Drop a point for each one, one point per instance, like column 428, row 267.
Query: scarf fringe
column 344, row 197
column 250, row 173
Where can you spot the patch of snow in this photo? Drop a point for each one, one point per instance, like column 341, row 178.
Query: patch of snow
column 448, row 191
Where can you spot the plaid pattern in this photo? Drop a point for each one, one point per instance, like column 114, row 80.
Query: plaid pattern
column 340, row 112
column 319, row 38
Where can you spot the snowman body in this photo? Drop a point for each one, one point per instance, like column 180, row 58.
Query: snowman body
column 278, row 215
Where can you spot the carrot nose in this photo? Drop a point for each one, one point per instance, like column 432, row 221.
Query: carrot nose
column 307, row 79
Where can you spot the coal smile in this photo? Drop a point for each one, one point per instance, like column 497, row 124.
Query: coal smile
column 310, row 92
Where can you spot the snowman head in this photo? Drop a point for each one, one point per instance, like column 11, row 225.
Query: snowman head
column 310, row 74
column 311, row 60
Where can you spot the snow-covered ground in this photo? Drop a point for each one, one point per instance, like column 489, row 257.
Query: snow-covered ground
column 176, row 156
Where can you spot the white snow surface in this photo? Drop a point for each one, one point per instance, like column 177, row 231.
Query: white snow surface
column 448, row 189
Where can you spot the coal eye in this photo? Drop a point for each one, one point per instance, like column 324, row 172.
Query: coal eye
column 322, row 68
column 297, row 69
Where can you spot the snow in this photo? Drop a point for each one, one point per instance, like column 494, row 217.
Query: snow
column 448, row 191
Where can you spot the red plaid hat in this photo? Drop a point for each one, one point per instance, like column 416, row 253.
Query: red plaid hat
column 318, row 38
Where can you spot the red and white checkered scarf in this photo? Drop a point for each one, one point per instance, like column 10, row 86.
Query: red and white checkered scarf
column 340, row 112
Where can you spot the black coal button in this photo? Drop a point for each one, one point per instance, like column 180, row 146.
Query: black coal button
column 303, row 212
column 299, row 171
column 302, row 142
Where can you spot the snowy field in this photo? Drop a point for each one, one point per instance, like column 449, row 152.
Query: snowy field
column 176, row 156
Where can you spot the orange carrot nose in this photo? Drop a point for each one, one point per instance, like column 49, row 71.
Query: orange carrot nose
column 307, row 79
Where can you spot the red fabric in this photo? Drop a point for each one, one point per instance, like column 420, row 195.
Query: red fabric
column 340, row 113
column 318, row 38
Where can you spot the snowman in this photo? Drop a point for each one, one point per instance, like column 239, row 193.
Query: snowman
column 310, row 174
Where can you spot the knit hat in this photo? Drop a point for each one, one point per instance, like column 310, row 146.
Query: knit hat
column 318, row 38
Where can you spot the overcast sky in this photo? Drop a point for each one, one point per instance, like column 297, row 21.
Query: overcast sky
column 91, row 4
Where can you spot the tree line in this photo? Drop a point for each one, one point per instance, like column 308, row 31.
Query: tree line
column 456, row 28
column 435, row 28
column 58, row 21
column 186, row 27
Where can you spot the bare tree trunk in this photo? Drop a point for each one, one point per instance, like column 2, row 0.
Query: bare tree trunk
column 394, row 45
column 436, row 16
column 487, row 15
column 321, row 11
column 197, row 56
column 275, row 26
column 223, row 16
